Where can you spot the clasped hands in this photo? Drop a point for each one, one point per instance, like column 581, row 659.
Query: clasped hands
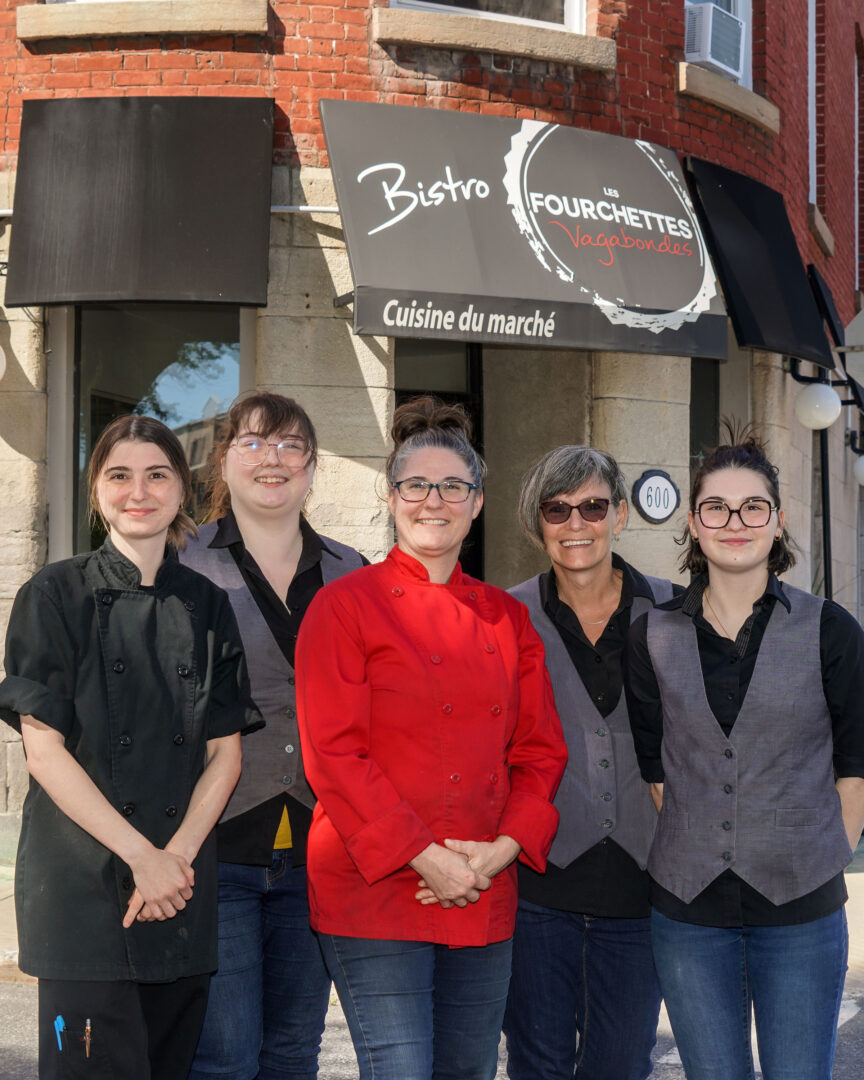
column 163, row 884
column 456, row 873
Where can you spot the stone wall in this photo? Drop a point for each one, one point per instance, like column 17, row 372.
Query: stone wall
column 306, row 349
column 23, row 510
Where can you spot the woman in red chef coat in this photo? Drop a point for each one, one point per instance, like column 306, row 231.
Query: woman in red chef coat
column 431, row 741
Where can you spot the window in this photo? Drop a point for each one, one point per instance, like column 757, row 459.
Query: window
column 561, row 14
column 177, row 362
column 718, row 35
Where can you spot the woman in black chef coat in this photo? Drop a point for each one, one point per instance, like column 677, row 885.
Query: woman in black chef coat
column 745, row 704
column 125, row 676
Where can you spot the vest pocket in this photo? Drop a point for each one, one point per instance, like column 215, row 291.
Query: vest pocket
column 797, row 818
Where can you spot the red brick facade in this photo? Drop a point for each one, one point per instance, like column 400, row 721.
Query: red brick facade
column 326, row 50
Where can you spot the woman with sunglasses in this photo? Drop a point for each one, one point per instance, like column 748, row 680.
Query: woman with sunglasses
column 268, row 999
column 584, row 998
column 431, row 740
column 745, row 702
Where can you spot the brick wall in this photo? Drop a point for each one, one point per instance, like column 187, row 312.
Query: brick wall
column 325, row 50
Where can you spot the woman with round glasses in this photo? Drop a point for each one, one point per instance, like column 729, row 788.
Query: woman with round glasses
column 745, row 703
column 268, row 1000
column 584, row 997
column 431, row 740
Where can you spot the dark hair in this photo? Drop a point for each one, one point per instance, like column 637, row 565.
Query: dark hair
column 428, row 422
column 277, row 413
column 144, row 429
column 744, row 450
column 562, row 470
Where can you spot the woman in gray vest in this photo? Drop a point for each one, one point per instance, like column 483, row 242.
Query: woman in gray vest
column 268, row 1000
column 745, row 703
column 584, row 997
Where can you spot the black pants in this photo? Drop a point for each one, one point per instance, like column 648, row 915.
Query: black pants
column 138, row 1031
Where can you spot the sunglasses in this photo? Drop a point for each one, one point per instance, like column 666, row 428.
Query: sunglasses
column 557, row 511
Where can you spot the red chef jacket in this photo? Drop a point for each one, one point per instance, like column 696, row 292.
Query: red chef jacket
column 425, row 712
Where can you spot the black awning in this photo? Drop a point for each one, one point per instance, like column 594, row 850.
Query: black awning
column 753, row 247
column 826, row 306
column 142, row 198
column 479, row 228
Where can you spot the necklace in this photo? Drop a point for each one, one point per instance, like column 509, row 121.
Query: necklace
column 707, row 600
column 595, row 622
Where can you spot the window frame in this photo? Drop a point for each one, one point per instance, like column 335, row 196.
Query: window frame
column 574, row 14
column 61, row 330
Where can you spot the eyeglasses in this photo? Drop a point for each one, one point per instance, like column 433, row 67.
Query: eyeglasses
column 754, row 513
column 557, row 511
column 415, row 490
column 253, row 449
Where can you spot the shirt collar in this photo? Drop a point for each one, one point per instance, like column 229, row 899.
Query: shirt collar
column 228, row 533
column 121, row 573
column 632, row 584
column 407, row 566
column 690, row 601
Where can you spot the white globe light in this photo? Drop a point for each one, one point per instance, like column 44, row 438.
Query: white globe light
column 818, row 406
column 858, row 469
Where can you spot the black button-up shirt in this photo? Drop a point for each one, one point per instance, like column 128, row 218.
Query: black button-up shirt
column 137, row 680
column 727, row 667
column 248, row 838
column 605, row 880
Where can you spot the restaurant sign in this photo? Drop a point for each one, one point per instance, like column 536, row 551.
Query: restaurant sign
column 519, row 232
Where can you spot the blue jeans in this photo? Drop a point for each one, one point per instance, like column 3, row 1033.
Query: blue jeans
column 790, row 976
column 418, row 1011
column 584, row 997
column 268, row 1000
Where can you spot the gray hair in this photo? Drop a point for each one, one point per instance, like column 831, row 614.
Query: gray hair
column 439, row 439
column 564, row 469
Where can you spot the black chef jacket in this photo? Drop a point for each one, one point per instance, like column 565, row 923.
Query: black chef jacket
column 137, row 680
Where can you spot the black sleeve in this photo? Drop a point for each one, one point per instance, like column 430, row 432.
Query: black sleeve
column 841, row 642
column 40, row 662
column 643, row 701
column 231, row 706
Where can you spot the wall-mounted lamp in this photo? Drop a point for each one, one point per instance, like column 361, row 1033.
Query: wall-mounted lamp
column 818, row 406
column 858, row 451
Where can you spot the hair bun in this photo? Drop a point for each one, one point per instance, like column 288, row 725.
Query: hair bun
column 745, row 435
column 429, row 413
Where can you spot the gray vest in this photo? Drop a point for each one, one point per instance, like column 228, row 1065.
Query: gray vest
column 601, row 793
column 763, row 801
column 272, row 761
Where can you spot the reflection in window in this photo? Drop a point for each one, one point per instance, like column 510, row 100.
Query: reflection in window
column 177, row 362
column 542, row 10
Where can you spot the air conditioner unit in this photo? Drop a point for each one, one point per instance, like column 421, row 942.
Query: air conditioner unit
column 714, row 39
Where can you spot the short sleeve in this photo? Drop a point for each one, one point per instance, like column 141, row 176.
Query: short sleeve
column 40, row 662
column 231, row 706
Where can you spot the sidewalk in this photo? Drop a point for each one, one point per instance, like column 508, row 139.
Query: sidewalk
column 8, row 935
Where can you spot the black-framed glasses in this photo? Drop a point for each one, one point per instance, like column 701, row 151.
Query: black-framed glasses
column 415, row 490
column 253, row 449
column 556, row 511
column 753, row 513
